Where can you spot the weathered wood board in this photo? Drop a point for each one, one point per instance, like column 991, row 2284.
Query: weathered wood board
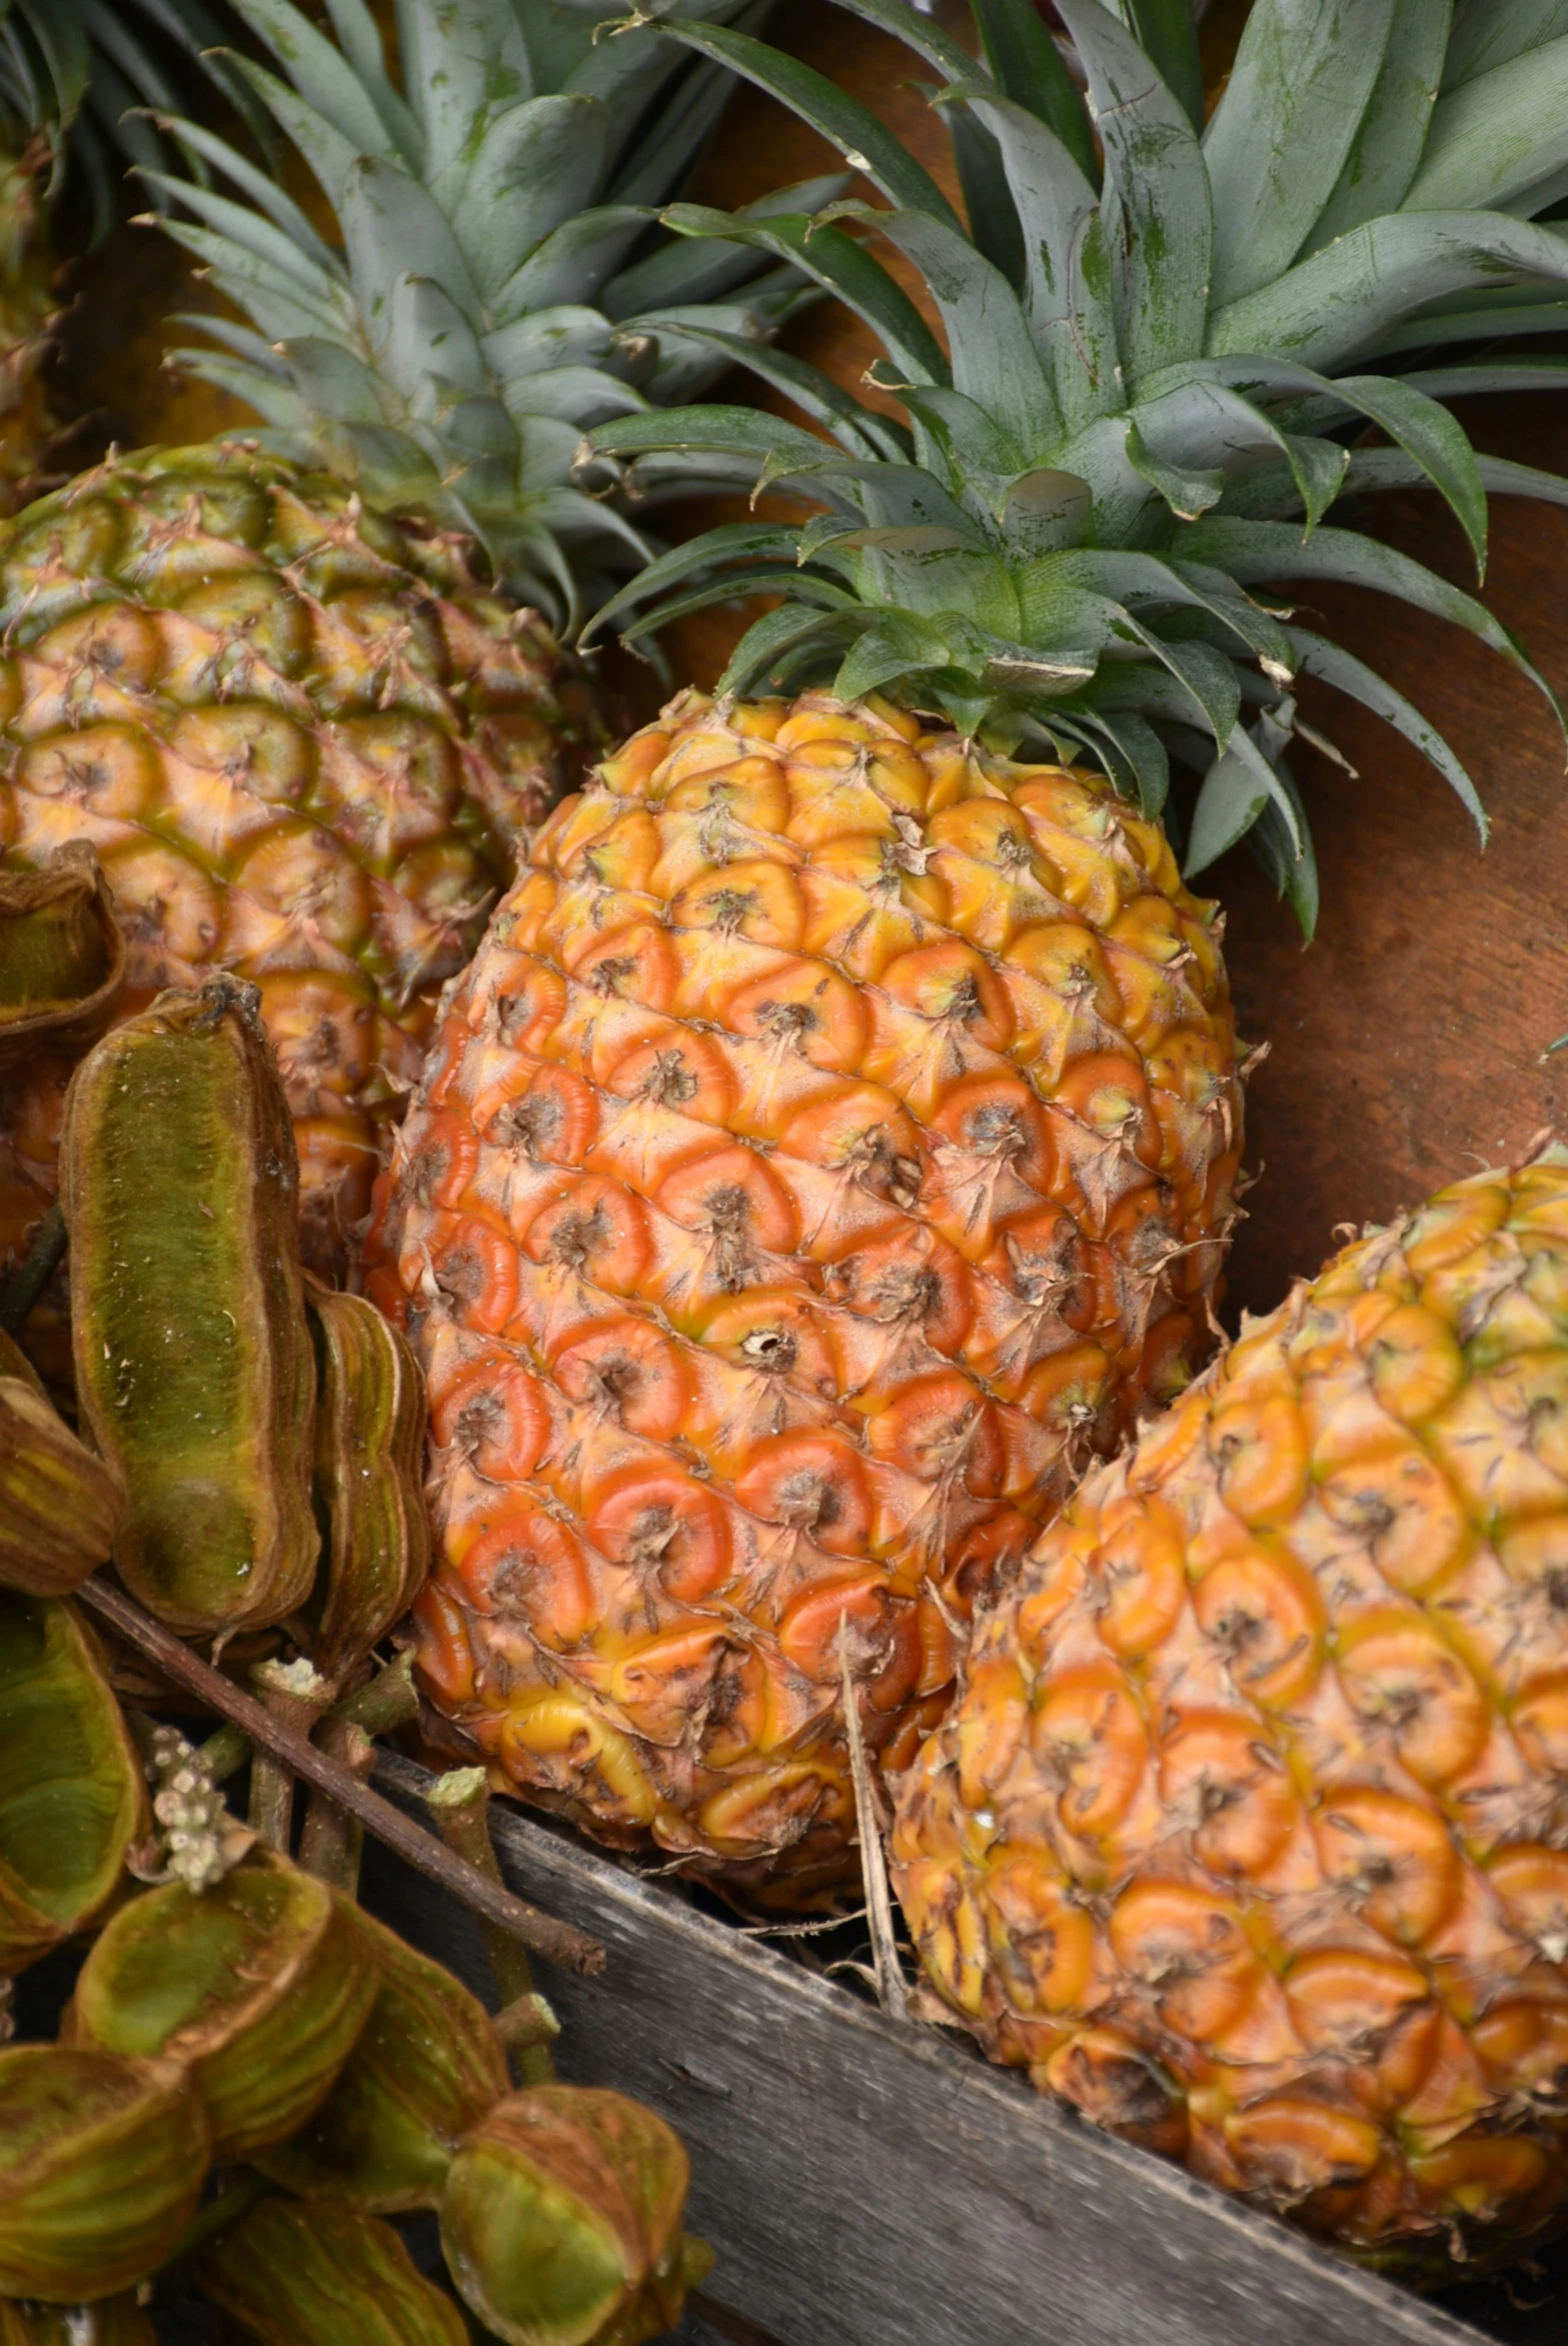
column 870, row 2183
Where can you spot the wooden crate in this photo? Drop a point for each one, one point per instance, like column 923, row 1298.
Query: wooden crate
column 869, row 2182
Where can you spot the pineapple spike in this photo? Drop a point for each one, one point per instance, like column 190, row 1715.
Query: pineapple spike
column 1158, row 374
column 492, row 297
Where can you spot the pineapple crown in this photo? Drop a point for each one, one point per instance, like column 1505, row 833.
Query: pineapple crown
column 492, row 296
column 77, row 78
column 1162, row 346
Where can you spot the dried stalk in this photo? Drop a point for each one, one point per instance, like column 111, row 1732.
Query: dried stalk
column 558, row 1942
column 294, row 1696
column 332, row 1842
column 459, row 1801
column 891, row 1989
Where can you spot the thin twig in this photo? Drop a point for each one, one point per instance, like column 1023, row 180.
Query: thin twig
column 558, row 1942
column 891, row 1989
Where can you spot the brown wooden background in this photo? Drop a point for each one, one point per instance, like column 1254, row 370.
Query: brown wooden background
column 1406, row 1044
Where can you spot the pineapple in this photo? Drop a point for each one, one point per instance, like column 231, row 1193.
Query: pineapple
column 302, row 741
column 303, row 735
column 1245, row 1830
column 834, row 1142
column 827, row 1151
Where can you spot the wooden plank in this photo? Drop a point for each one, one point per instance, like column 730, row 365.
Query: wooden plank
column 869, row 2183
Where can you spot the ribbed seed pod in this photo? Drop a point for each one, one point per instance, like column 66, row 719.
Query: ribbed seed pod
column 193, row 1361
column 114, row 2321
column 1249, row 1830
column 62, row 973
column 62, row 956
column 560, row 2220
column 60, row 1504
column 428, row 2066
column 370, row 1458
column 101, row 2162
column 72, row 1796
column 288, row 2275
column 259, row 1986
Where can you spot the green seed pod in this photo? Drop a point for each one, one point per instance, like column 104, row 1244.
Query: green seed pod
column 62, row 955
column 560, row 2220
column 72, row 1796
column 428, row 2066
column 59, row 1505
column 102, row 2163
column 293, row 2275
column 370, row 1457
column 113, row 2321
column 260, row 1986
column 193, row 1369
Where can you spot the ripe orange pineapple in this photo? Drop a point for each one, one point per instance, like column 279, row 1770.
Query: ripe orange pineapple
column 1246, row 1830
column 836, row 1140
column 828, row 1150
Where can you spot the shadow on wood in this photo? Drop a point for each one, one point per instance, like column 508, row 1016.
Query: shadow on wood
column 871, row 2183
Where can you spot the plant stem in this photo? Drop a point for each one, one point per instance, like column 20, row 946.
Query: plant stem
column 42, row 1260
column 331, row 1843
column 223, row 1754
column 459, row 1802
column 558, row 1942
column 385, row 1702
column 210, row 2222
column 296, row 1697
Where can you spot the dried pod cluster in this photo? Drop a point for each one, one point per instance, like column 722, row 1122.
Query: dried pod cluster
column 102, row 2163
column 60, row 1504
column 243, row 2010
column 72, row 1797
column 246, row 2012
column 258, row 1987
column 428, row 2065
column 62, row 955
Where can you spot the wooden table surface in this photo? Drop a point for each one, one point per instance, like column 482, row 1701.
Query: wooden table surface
column 1406, row 1044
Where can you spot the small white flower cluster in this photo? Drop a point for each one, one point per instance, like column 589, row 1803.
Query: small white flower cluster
column 199, row 1840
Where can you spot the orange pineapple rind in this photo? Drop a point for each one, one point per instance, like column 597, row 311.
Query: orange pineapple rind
column 1248, row 1829
column 828, row 1150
